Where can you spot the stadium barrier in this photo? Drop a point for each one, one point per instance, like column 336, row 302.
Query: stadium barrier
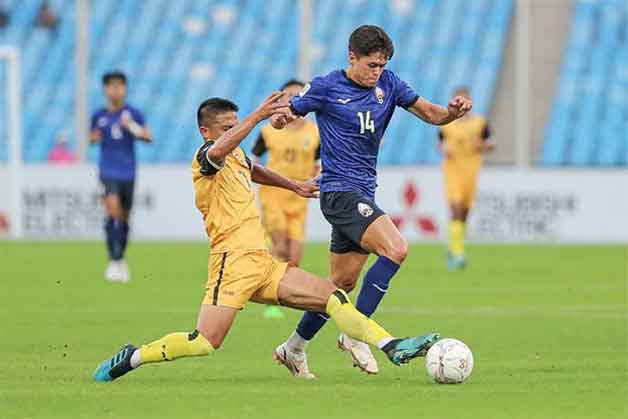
column 512, row 205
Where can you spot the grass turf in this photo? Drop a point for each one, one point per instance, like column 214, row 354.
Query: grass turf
column 547, row 325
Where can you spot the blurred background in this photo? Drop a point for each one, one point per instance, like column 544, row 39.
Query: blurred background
column 551, row 76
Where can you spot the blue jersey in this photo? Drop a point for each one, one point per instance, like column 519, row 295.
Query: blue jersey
column 117, row 148
column 351, row 120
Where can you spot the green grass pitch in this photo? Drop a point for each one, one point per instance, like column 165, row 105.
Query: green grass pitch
column 547, row 326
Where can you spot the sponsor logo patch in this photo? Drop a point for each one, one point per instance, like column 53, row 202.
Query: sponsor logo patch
column 365, row 210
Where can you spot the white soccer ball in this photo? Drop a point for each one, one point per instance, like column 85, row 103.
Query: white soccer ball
column 449, row 361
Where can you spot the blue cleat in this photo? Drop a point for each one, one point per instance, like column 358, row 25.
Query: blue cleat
column 401, row 351
column 116, row 366
column 456, row 263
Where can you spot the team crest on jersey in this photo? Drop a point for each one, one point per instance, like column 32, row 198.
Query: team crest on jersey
column 365, row 210
column 102, row 121
column 379, row 94
column 306, row 143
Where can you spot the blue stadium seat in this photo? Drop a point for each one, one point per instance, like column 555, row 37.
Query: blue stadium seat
column 592, row 94
column 243, row 50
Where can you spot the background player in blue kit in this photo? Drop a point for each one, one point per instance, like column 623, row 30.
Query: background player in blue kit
column 353, row 109
column 116, row 127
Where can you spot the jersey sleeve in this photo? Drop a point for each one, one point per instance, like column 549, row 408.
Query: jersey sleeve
column 259, row 148
column 208, row 167
column 405, row 96
column 311, row 98
column 138, row 116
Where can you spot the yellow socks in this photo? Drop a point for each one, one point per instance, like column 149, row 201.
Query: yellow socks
column 352, row 322
column 175, row 345
column 456, row 237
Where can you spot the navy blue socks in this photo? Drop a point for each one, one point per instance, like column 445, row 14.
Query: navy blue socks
column 375, row 285
column 117, row 234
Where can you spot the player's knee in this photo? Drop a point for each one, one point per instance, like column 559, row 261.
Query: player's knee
column 397, row 251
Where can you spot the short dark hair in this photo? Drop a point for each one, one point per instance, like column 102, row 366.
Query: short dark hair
column 211, row 107
column 113, row 75
column 292, row 82
column 367, row 39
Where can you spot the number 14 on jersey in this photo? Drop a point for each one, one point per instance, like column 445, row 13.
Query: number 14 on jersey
column 366, row 123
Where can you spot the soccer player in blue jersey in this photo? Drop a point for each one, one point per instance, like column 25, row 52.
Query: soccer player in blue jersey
column 353, row 108
column 115, row 128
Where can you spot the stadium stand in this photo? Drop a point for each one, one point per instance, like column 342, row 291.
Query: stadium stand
column 588, row 125
column 243, row 49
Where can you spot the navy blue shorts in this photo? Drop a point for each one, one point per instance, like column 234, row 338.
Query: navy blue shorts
column 123, row 188
column 350, row 214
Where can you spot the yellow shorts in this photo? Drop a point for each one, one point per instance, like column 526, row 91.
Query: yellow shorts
column 284, row 211
column 237, row 277
column 460, row 184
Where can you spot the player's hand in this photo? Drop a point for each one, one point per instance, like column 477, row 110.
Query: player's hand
column 271, row 106
column 95, row 135
column 281, row 119
column 459, row 106
column 307, row 189
column 489, row 146
column 483, row 146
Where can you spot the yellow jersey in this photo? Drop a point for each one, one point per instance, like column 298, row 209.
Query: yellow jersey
column 226, row 201
column 462, row 137
column 293, row 152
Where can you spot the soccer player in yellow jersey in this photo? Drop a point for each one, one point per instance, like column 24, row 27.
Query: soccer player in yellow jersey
column 293, row 152
column 240, row 267
column 462, row 143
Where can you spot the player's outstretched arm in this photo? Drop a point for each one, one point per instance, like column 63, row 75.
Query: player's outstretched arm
column 139, row 131
column 231, row 139
column 266, row 176
column 142, row 133
column 440, row 115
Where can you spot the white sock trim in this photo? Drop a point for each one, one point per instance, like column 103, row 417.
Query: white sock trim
column 135, row 359
column 383, row 342
column 296, row 343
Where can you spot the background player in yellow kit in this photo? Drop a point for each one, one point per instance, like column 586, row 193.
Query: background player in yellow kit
column 462, row 143
column 240, row 267
column 293, row 152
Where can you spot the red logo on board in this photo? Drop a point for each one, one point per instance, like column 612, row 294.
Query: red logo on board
column 424, row 223
column 4, row 223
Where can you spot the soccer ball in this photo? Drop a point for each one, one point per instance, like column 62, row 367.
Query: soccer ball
column 449, row 361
